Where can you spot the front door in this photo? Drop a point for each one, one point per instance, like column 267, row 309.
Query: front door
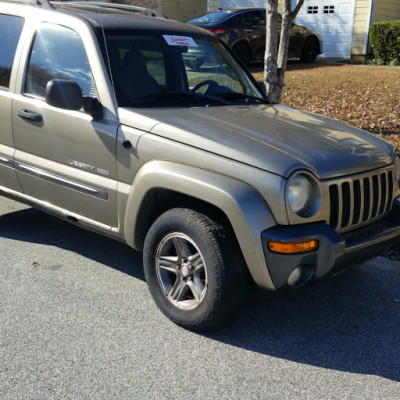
column 10, row 32
column 65, row 158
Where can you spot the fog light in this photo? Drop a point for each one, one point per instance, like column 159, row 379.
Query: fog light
column 294, row 277
column 293, row 248
column 300, row 275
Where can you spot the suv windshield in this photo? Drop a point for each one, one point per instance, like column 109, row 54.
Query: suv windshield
column 155, row 69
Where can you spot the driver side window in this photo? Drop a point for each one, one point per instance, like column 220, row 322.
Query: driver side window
column 58, row 53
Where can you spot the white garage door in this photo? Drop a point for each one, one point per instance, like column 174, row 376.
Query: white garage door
column 334, row 19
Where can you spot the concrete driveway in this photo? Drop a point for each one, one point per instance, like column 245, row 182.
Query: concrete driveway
column 77, row 322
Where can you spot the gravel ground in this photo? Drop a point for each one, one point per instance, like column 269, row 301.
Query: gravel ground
column 77, row 322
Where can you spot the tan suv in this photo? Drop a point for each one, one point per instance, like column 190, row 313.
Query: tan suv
column 102, row 124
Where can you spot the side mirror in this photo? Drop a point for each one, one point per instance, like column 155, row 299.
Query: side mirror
column 66, row 94
column 63, row 93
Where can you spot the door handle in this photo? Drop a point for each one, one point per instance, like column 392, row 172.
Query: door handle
column 30, row 115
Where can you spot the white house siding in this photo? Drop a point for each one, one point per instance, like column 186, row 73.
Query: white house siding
column 334, row 20
column 387, row 10
column 362, row 20
column 183, row 10
column 367, row 12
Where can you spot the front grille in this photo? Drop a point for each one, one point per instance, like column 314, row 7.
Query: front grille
column 357, row 201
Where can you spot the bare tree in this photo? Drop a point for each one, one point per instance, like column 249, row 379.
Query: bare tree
column 275, row 62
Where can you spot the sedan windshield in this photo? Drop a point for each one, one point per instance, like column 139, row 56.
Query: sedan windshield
column 165, row 70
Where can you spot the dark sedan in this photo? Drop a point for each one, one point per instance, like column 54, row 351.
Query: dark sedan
column 244, row 31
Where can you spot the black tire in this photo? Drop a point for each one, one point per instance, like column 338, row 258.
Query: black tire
column 242, row 50
column 194, row 271
column 310, row 50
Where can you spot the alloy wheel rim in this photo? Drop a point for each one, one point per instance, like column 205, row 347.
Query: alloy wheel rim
column 181, row 271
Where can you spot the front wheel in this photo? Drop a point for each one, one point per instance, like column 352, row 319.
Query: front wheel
column 194, row 271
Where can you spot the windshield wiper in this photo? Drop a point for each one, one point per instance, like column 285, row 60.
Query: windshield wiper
column 182, row 94
column 236, row 95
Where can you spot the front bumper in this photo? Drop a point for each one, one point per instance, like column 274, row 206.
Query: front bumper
column 335, row 252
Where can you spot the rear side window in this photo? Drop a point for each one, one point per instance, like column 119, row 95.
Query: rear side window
column 58, row 53
column 10, row 32
column 253, row 18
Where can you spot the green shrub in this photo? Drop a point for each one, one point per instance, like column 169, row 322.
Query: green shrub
column 384, row 38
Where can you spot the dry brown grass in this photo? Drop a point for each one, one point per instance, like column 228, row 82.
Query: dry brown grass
column 364, row 96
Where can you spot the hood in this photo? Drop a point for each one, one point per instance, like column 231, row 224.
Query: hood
column 275, row 138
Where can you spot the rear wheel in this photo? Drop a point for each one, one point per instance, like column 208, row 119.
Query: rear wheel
column 310, row 50
column 242, row 50
column 195, row 273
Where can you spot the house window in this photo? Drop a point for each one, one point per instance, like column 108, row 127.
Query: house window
column 329, row 9
column 312, row 10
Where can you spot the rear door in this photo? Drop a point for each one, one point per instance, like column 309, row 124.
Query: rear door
column 10, row 33
column 254, row 30
column 65, row 158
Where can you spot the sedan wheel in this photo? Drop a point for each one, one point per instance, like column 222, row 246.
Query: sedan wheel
column 242, row 50
column 310, row 50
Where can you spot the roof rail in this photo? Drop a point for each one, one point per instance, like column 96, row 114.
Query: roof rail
column 43, row 4
column 115, row 6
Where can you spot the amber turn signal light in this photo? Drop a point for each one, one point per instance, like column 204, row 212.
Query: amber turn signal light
column 293, row 248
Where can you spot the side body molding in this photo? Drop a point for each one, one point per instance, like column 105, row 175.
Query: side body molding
column 246, row 210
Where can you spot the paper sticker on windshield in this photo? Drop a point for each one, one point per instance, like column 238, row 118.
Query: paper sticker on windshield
column 173, row 40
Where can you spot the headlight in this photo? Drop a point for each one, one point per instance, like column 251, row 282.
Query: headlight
column 299, row 193
column 398, row 169
column 303, row 195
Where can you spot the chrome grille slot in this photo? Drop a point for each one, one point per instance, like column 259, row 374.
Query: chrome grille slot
column 375, row 196
column 359, row 200
column 334, row 199
column 346, row 204
column 383, row 194
column 367, row 199
column 390, row 192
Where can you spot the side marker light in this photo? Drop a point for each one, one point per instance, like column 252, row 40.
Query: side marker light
column 293, row 248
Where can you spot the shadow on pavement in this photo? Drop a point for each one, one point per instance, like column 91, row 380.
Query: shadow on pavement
column 31, row 225
column 347, row 323
column 350, row 323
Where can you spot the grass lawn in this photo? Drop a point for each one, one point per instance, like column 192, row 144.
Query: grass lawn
column 364, row 96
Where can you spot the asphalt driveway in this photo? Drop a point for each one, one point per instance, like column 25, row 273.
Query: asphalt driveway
column 77, row 322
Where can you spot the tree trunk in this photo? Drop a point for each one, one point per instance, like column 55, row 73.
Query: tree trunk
column 275, row 63
column 271, row 79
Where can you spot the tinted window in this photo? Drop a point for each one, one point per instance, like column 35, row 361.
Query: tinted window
column 253, row 18
column 10, row 32
column 58, row 53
